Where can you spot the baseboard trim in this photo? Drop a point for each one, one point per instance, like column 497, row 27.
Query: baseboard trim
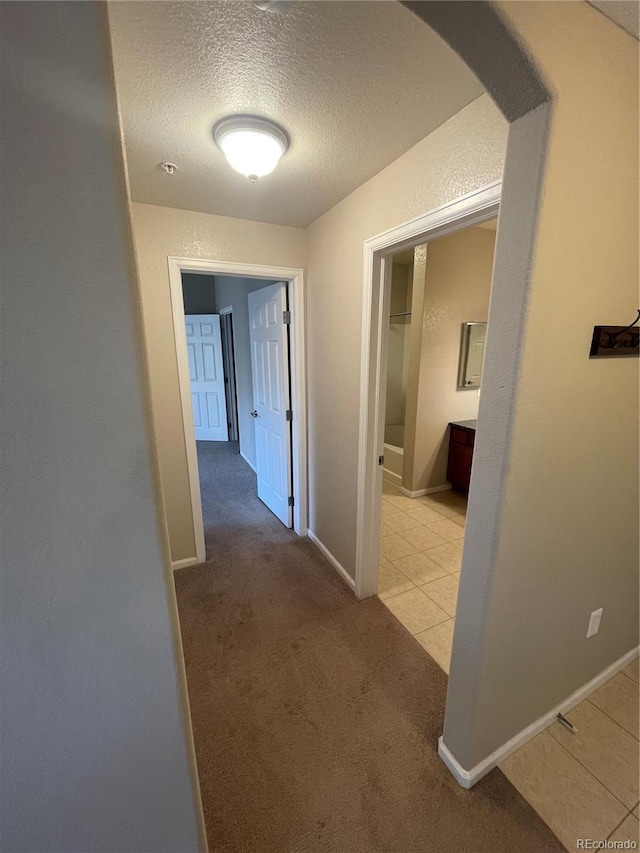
column 253, row 467
column 391, row 476
column 468, row 778
column 422, row 492
column 346, row 577
column 182, row 564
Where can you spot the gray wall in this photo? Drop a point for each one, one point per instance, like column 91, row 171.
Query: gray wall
column 198, row 293
column 93, row 746
column 233, row 291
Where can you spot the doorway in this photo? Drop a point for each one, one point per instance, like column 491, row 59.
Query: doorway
column 473, row 209
column 229, row 367
column 283, row 284
column 437, row 326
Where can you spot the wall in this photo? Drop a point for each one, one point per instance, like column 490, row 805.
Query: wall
column 398, row 348
column 198, row 293
column 566, row 542
column 463, row 154
column 160, row 232
column 93, row 746
column 232, row 292
column 457, row 288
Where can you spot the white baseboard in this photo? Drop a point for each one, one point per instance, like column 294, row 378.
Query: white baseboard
column 391, row 477
column 250, row 464
column 468, row 778
column 346, row 577
column 182, row 564
column 421, row 492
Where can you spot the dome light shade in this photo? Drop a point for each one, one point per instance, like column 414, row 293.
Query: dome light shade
column 253, row 146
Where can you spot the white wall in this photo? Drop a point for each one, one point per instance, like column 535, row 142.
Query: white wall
column 93, row 745
column 457, row 288
column 232, row 292
column 463, row 154
column 160, row 232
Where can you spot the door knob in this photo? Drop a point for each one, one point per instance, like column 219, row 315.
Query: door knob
column 254, row 414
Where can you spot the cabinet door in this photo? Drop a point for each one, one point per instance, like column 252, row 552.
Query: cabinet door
column 459, row 466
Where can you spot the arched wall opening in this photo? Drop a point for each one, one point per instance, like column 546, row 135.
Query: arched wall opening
column 529, row 580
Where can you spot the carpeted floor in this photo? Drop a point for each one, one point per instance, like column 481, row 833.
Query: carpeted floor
column 316, row 716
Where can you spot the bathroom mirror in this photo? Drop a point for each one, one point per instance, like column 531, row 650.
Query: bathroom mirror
column 472, row 355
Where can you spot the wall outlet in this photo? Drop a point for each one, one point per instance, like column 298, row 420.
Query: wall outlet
column 594, row 622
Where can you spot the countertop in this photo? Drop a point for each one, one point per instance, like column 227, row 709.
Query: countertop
column 464, row 424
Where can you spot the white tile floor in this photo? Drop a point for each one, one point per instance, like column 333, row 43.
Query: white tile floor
column 420, row 553
column 583, row 785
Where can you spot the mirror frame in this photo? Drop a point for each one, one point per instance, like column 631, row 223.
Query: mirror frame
column 464, row 354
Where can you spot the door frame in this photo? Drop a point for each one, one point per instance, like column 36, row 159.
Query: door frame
column 471, row 209
column 231, row 371
column 294, row 279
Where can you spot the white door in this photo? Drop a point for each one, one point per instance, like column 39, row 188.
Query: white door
column 271, row 396
column 204, row 351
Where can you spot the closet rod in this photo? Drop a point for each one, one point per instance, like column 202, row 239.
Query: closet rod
column 401, row 314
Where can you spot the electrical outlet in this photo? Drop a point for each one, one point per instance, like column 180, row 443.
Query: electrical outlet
column 594, row 622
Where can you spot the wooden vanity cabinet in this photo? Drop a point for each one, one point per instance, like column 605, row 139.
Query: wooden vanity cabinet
column 461, row 441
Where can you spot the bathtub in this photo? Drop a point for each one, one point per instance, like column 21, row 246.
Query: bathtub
column 393, row 453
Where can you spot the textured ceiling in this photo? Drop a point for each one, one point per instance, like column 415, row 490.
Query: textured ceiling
column 624, row 13
column 355, row 84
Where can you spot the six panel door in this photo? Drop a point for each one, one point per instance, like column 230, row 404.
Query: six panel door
column 204, row 352
column 271, row 398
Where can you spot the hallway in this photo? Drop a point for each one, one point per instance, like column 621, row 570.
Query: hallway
column 309, row 734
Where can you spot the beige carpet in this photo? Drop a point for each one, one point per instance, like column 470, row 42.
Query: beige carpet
column 316, row 716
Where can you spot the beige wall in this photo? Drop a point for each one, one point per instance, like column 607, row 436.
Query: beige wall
column 160, row 232
column 457, row 288
column 93, row 739
column 465, row 153
column 567, row 542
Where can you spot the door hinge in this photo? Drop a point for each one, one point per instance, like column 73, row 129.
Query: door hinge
column 286, row 317
column 290, row 501
column 289, row 415
column 380, row 460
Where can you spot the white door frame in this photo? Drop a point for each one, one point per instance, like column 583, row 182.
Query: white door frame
column 471, row 209
column 295, row 284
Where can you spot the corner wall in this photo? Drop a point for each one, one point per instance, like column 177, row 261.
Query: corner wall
column 160, row 232
column 566, row 542
column 93, row 742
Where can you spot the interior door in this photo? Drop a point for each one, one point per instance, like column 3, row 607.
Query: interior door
column 204, row 350
column 475, row 355
column 269, row 338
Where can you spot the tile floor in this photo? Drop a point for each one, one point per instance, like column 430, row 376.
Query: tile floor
column 583, row 785
column 420, row 554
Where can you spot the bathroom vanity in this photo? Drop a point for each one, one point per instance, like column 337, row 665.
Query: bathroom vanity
column 462, row 436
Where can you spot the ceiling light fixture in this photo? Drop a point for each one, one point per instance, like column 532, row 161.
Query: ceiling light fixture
column 252, row 145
